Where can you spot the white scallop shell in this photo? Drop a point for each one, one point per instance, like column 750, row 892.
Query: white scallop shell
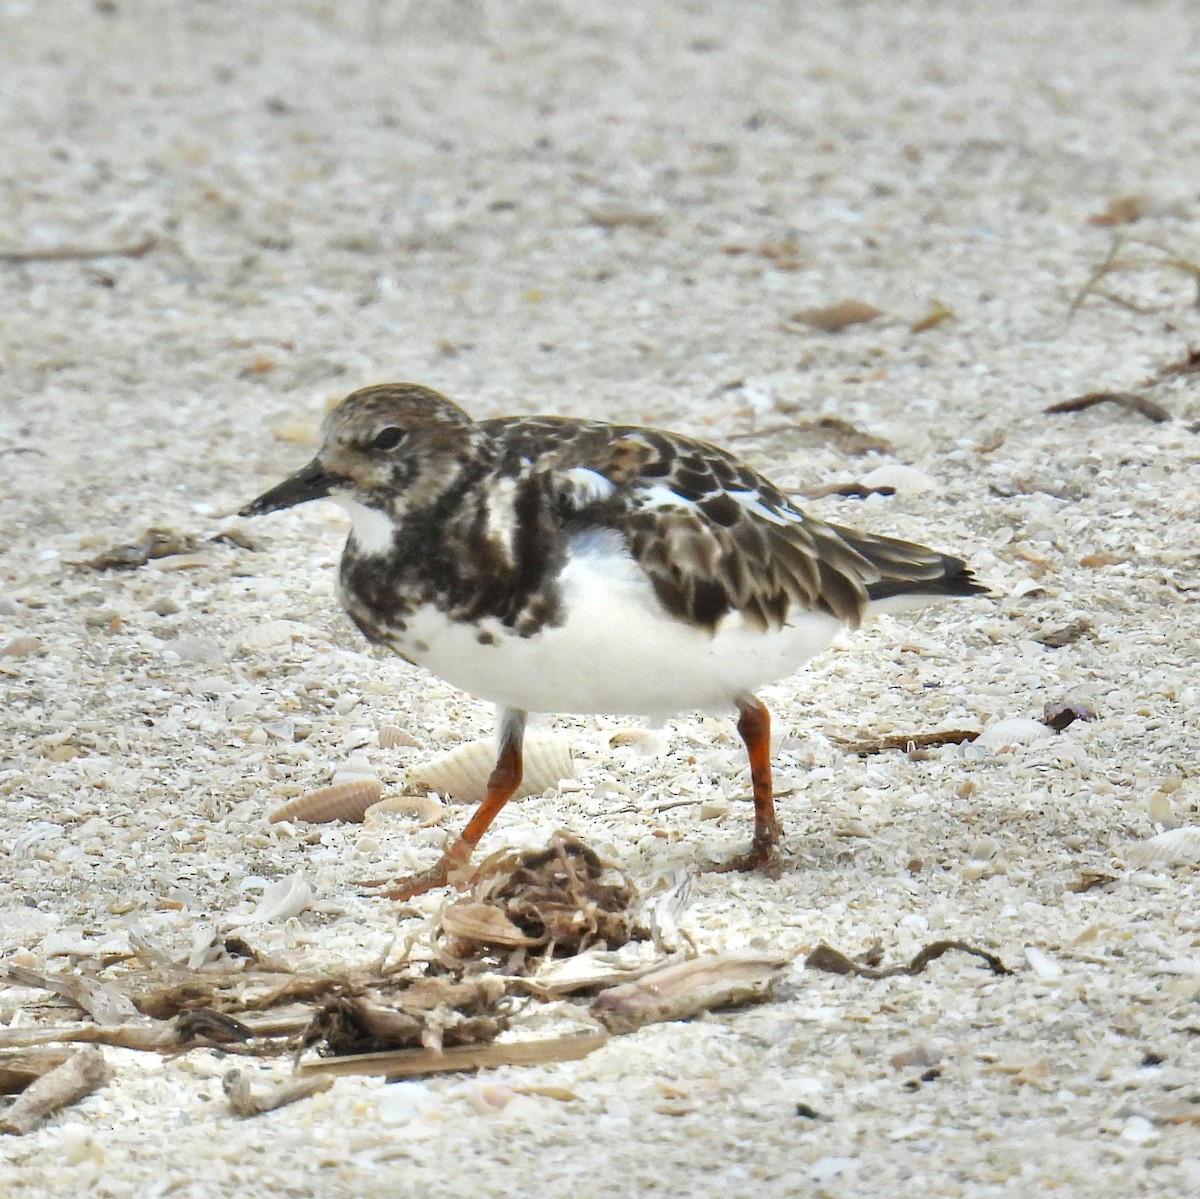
column 463, row 772
column 905, row 480
column 1177, row 846
column 1001, row 735
column 347, row 801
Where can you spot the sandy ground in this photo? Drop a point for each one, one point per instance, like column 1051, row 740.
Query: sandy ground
column 593, row 209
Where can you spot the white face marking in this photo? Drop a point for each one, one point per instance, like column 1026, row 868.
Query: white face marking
column 373, row 531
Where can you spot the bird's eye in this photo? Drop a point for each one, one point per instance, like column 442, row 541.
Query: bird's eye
column 388, row 439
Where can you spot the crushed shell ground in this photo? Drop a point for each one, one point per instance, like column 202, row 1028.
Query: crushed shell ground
column 618, row 211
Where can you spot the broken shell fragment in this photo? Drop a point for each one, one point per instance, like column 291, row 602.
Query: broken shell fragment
column 1002, row 735
column 392, row 736
column 346, row 801
column 1176, row 846
column 429, row 808
column 463, row 772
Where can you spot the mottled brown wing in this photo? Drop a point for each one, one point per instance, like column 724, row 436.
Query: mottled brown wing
column 712, row 535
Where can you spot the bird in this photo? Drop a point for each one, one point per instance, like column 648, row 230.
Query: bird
column 554, row 564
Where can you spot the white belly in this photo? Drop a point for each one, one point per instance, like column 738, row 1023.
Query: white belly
column 618, row 652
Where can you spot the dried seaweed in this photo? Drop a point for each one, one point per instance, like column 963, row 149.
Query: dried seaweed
column 1123, row 399
column 562, row 899
column 831, row 961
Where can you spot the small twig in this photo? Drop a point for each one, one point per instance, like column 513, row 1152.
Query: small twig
column 1123, row 399
column 79, row 253
column 245, row 1102
column 908, row 741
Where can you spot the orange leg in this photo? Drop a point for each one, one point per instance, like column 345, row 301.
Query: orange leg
column 502, row 785
column 754, row 727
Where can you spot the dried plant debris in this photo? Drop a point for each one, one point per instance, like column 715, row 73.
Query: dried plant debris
column 909, row 742
column 407, row 1063
column 1122, row 399
column 161, row 543
column 830, row 960
column 83, row 1072
column 562, row 899
column 154, row 543
column 246, row 1100
column 1154, row 257
column 137, row 249
column 820, row 431
column 430, row 1013
column 18, row 1070
column 1189, row 364
column 937, row 313
column 832, row 318
column 684, row 989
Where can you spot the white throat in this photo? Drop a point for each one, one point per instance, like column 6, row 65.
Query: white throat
column 373, row 530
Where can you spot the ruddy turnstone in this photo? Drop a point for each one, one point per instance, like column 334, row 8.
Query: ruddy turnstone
column 552, row 564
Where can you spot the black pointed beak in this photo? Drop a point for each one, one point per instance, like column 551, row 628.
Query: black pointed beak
column 311, row 482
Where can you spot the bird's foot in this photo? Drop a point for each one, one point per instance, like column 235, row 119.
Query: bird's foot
column 763, row 855
column 451, row 868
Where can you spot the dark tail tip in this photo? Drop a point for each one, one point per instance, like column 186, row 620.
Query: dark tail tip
column 956, row 579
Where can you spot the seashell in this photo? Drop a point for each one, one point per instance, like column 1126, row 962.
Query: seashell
column 486, row 924
column 1161, row 810
column 1177, row 846
column 429, row 808
column 20, row 647
column 1002, row 735
column 271, row 633
column 648, row 743
column 903, row 480
column 346, row 801
column 463, row 772
column 282, row 900
column 391, row 736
